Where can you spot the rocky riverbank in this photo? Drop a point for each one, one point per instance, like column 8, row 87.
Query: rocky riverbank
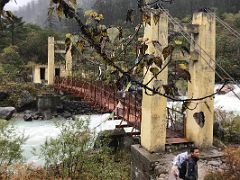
column 38, row 102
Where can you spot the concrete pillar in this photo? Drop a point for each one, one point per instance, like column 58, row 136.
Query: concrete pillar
column 68, row 59
column 153, row 125
column 36, row 74
column 199, row 122
column 51, row 69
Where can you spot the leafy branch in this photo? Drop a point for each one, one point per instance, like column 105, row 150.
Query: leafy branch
column 69, row 12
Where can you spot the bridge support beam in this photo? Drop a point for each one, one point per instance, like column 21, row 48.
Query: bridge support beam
column 68, row 59
column 36, row 75
column 199, row 122
column 51, row 66
column 153, row 125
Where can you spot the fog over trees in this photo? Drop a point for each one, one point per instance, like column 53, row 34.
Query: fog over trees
column 114, row 11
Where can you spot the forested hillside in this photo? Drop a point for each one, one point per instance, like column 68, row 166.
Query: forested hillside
column 36, row 12
column 115, row 10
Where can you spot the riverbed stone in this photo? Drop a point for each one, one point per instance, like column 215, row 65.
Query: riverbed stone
column 6, row 112
column 28, row 117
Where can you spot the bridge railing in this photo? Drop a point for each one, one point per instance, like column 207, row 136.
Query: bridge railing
column 175, row 123
column 104, row 97
column 126, row 105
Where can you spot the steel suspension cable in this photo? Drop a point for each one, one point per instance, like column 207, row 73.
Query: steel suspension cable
column 175, row 22
column 226, row 25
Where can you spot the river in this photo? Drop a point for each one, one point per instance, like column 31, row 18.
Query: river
column 37, row 131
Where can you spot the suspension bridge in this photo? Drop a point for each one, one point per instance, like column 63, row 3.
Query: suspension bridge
column 131, row 108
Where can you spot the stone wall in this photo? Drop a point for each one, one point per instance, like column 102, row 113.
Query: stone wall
column 148, row 166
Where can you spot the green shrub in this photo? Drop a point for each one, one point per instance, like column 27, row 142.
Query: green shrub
column 10, row 146
column 70, row 155
column 232, row 172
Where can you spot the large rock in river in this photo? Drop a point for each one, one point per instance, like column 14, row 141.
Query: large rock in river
column 6, row 112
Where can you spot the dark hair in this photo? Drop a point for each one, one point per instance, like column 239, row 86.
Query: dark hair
column 192, row 149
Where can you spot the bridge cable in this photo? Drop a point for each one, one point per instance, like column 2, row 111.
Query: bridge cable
column 226, row 25
column 175, row 22
column 232, row 31
column 189, row 40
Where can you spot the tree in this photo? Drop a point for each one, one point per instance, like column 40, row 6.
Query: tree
column 11, row 62
column 16, row 30
column 228, row 47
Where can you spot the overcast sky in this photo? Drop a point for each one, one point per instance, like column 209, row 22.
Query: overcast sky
column 14, row 6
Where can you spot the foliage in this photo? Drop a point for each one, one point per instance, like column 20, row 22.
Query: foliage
column 228, row 46
column 23, row 171
column 231, row 126
column 70, row 155
column 15, row 90
column 233, row 166
column 10, row 146
column 30, row 45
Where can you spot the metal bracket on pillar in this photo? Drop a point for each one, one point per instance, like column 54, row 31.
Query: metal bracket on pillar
column 187, row 28
column 59, row 42
column 60, row 51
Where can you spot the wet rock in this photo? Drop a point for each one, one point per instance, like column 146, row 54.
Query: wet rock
column 27, row 117
column 6, row 112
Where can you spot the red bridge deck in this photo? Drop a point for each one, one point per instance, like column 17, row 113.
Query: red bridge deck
column 127, row 108
column 105, row 99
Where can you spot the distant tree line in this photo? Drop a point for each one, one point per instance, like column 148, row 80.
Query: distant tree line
column 115, row 11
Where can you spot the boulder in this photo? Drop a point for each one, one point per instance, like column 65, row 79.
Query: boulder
column 28, row 116
column 6, row 112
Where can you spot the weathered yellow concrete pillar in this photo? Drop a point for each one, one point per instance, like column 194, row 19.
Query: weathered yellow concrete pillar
column 51, row 69
column 199, row 123
column 68, row 59
column 36, row 74
column 153, row 125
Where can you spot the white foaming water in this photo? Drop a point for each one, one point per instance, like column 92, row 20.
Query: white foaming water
column 228, row 102
column 38, row 131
